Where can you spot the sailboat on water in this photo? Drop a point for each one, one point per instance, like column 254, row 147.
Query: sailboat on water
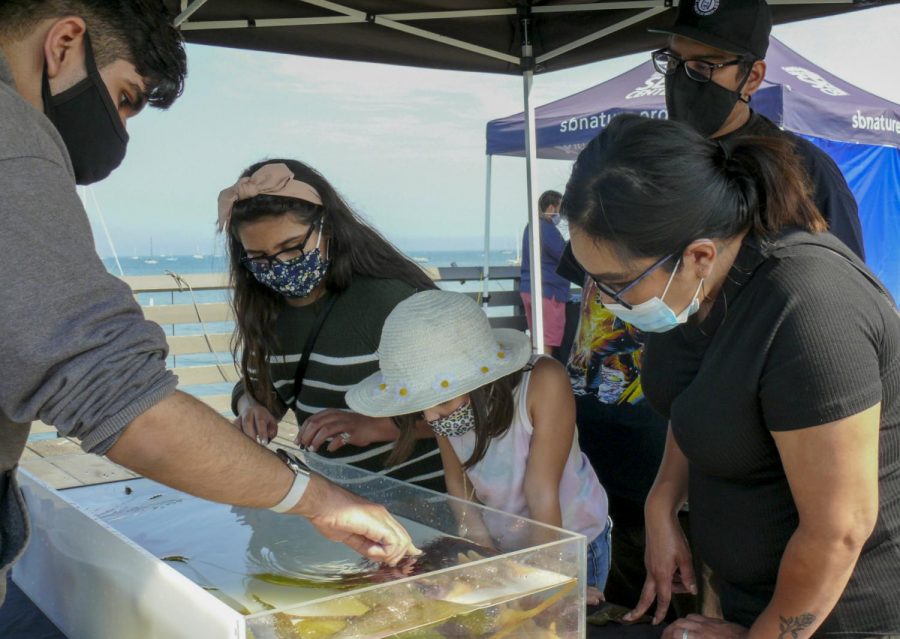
column 197, row 254
column 151, row 259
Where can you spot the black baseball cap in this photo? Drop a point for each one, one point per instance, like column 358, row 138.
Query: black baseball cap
column 736, row 26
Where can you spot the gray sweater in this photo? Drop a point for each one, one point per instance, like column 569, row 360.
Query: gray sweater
column 76, row 349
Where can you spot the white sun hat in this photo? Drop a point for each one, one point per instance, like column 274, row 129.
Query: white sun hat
column 436, row 345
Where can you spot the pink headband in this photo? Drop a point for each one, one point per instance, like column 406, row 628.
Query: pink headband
column 270, row 179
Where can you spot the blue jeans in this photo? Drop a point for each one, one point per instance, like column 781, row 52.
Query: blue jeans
column 599, row 558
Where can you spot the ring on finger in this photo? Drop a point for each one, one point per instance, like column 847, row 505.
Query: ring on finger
column 685, row 633
column 345, row 437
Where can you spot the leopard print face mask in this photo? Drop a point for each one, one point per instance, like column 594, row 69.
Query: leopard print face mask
column 457, row 423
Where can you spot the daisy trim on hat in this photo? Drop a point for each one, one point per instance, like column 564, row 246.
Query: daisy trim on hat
column 403, row 392
column 381, row 386
column 443, row 382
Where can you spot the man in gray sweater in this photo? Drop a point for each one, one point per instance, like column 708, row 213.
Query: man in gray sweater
column 77, row 351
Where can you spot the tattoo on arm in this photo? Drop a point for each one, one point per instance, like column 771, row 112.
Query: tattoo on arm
column 791, row 627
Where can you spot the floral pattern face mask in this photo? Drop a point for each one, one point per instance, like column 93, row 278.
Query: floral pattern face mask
column 294, row 277
column 457, row 423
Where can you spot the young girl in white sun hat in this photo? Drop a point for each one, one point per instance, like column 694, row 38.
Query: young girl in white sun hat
column 504, row 421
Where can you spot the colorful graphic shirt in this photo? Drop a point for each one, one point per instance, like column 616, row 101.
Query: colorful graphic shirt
column 606, row 354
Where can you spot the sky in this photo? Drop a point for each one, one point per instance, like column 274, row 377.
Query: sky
column 404, row 146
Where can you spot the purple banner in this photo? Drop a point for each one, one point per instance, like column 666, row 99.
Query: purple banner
column 797, row 95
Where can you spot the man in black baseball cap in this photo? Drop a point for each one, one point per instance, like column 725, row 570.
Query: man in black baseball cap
column 714, row 63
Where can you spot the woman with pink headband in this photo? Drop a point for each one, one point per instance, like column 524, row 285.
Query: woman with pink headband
column 312, row 286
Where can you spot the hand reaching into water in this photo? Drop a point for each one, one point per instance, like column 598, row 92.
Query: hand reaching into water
column 367, row 528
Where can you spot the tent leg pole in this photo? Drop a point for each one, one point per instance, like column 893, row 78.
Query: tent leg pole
column 534, row 236
column 485, row 285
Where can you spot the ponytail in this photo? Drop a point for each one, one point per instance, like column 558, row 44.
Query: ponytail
column 773, row 184
column 651, row 187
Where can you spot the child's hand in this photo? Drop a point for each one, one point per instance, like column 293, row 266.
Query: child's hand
column 594, row 597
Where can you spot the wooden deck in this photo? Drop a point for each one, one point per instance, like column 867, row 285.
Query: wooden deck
column 60, row 462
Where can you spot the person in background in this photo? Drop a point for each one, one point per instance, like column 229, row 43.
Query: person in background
column 714, row 63
column 504, row 421
column 72, row 73
column 555, row 288
column 312, row 285
column 775, row 355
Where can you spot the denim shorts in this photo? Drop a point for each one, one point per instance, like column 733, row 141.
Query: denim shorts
column 599, row 558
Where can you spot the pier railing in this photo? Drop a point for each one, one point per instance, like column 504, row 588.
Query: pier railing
column 194, row 312
column 199, row 331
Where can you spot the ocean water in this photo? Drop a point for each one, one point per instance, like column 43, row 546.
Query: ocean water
column 138, row 265
column 189, row 264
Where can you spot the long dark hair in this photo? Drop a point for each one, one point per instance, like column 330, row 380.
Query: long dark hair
column 651, row 187
column 354, row 249
column 494, row 406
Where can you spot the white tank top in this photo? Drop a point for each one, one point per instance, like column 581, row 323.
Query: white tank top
column 499, row 478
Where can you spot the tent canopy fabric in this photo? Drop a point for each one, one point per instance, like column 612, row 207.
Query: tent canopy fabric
column 797, row 95
column 466, row 35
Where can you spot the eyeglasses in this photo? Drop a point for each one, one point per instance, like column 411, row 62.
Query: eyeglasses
column 696, row 69
column 617, row 295
column 264, row 263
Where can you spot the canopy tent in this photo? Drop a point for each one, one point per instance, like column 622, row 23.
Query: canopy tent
column 463, row 35
column 520, row 37
column 859, row 130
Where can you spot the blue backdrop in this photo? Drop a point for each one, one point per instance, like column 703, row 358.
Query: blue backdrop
column 873, row 174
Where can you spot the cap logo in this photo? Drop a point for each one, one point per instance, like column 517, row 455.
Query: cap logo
column 705, row 7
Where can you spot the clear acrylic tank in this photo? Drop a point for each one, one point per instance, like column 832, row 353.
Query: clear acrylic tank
column 137, row 559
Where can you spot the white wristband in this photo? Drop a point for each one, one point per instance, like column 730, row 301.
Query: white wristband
column 294, row 495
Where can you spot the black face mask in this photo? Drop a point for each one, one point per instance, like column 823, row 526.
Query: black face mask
column 703, row 105
column 88, row 122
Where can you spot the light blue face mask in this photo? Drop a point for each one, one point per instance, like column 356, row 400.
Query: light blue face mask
column 654, row 315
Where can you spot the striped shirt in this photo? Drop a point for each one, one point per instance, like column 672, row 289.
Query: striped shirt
column 345, row 353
